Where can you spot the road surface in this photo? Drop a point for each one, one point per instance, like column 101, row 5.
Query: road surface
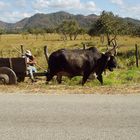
column 69, row 117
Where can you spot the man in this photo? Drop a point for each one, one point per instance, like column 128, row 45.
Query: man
column 31, row 64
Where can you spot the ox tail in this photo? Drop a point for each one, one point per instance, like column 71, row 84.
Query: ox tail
column 48, row 77
column 46, row 53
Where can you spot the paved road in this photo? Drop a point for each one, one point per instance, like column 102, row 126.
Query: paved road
column 69, row 117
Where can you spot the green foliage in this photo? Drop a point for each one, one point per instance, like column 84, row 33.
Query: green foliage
column 108, row 23
column 70, row 28
column 2, row 31
column 136, row 31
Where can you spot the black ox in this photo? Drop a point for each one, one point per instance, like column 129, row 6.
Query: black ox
column 78, row 62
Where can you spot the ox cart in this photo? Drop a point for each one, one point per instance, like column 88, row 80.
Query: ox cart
column 13, row 70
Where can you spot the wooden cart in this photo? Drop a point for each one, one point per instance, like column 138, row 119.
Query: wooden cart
column 13, row 70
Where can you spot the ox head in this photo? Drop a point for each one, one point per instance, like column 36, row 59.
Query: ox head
column 111, row 61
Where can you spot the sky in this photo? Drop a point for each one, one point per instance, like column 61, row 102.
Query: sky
column 12, row 11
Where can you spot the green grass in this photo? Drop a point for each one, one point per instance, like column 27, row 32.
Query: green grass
column 123, row 76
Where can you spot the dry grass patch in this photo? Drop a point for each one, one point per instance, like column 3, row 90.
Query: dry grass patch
column 65, row 89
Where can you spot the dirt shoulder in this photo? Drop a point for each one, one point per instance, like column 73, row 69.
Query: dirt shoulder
column 65, row 89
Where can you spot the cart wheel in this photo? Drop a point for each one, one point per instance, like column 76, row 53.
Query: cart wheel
column 7, row 76
column 4, row 79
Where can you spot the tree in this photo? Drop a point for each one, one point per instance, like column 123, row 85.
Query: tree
column 69, row 28
column 25, row 34
column 35, row 31
column 1, row 32
column 80, row 31
column 137, row 31
column 107, row 24
column 131, row 28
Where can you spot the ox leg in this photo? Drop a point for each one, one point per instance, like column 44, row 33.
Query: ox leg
column 85, row 77
column 100, row 78
column 59, row 78
column 49, row 76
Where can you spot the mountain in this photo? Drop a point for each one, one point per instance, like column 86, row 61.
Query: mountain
column 52, row 20
column 134, row 21
column 2, row 24
column 20, row 24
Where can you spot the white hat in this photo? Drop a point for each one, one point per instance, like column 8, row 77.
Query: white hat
column 28, row 53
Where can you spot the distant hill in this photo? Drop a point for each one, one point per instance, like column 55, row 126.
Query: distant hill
column 4, row 25
column 52, row 20
column 134, row 21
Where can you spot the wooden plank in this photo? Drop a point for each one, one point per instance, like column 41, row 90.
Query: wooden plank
column 19, row 65
column 40, row 74
column 4, row 62
column 37, row 74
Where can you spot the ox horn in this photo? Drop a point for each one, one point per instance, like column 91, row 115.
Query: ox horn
column 113, row 51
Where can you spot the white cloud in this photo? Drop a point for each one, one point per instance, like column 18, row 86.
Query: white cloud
column 66, row 4
column 17, row 14
column 21, row 3
column 3, row 5
column 11, row 17
column 118, row 2
column 133, row 11
column 134, row 8
column 56, row 4
column 91, row 6
column 127, row 9
column 39, row 4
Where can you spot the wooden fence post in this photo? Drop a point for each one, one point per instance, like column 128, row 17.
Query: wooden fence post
column 136, row 54
column 22, row 50
column 84, row 46
column 1, row 53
